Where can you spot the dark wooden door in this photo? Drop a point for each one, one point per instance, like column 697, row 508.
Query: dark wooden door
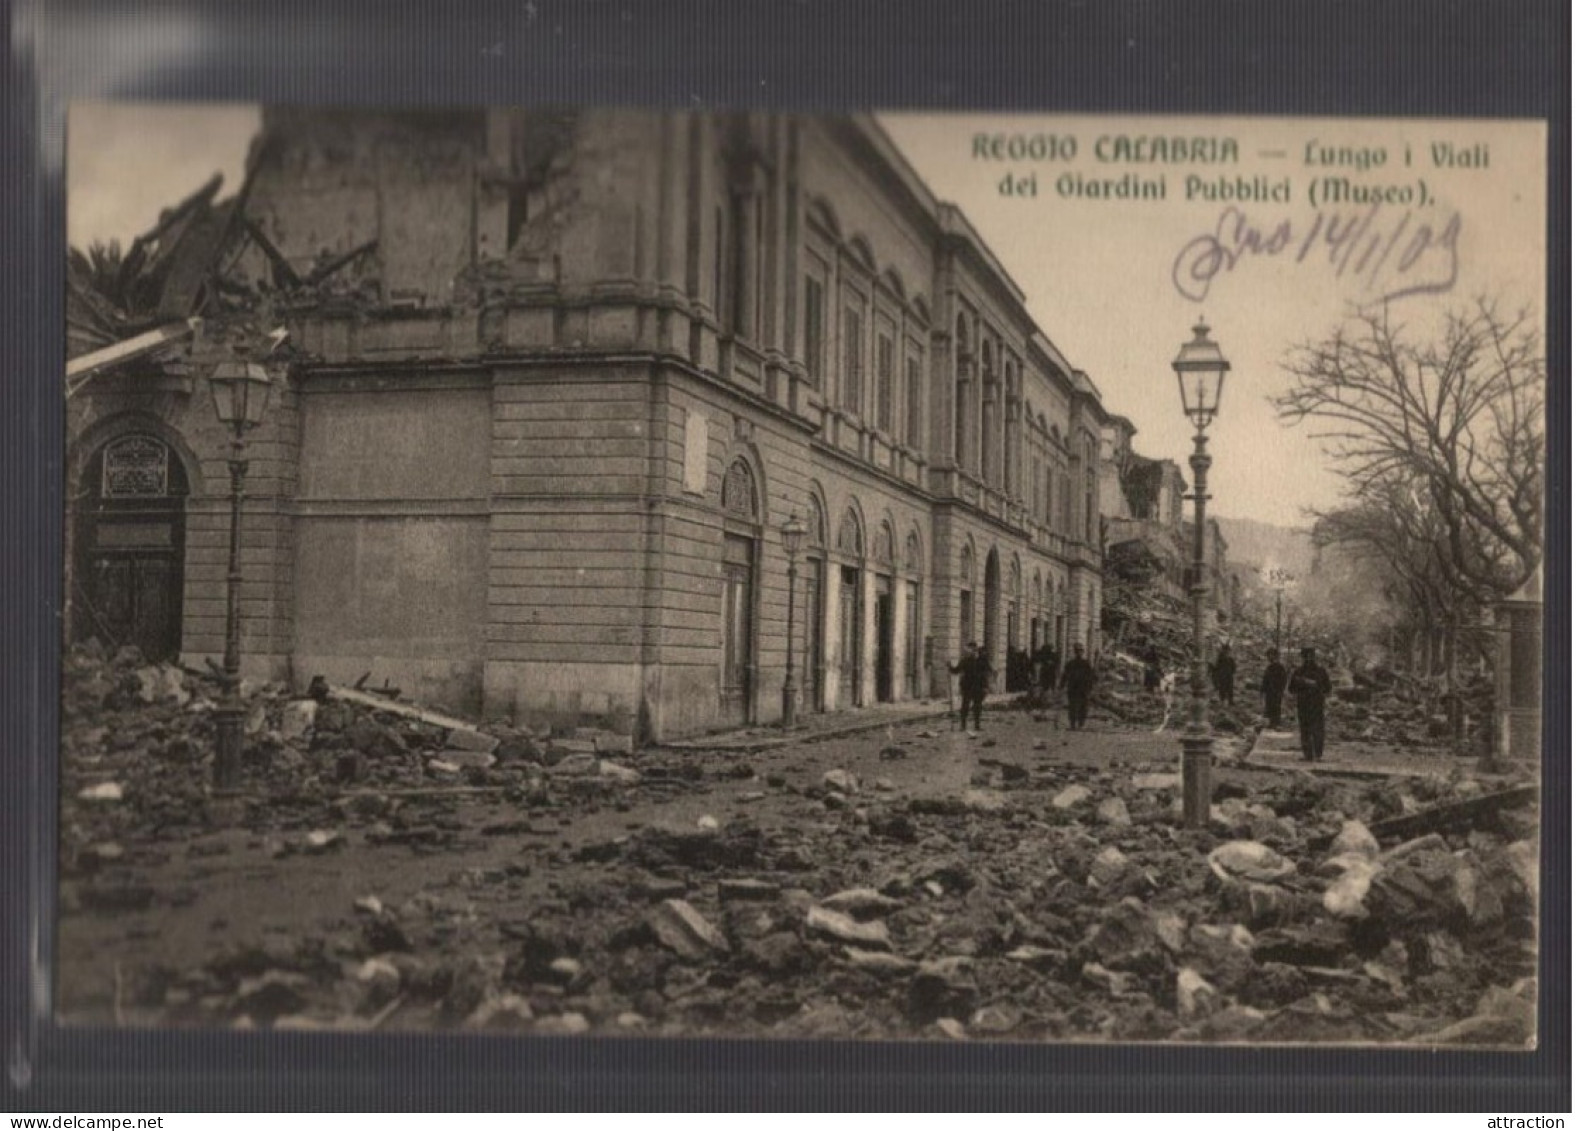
column 884, row 641
column 914, row 643
column 737, row 603
column 814, row 666
column 130, row 548
column 848, row 635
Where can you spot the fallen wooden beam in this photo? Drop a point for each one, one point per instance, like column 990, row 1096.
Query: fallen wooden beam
column 403, row 710
column 1452, row 815
column 79, row 369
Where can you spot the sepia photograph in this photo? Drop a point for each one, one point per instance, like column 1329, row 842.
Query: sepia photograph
column 585, row 569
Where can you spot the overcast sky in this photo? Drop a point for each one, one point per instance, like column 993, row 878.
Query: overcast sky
column 1101, row 274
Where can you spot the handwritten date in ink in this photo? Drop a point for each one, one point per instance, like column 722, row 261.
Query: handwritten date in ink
column 1390, row 253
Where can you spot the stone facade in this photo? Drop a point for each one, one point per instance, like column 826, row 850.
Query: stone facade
column 534, row 454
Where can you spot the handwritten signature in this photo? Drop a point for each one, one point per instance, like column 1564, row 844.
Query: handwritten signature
column 1393, row 255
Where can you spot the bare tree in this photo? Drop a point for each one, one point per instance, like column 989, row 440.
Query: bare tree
column 1393, row 526
column 1460, row 418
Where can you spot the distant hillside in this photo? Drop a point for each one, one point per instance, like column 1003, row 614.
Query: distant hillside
column 1255, row 544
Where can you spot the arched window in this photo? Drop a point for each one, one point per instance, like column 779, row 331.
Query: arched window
column 816, row 523
column 960, row 406
column 886, row 545
column 992, row 413
column 136, row 467
column 850, row 538
column 738, row 492
column 1009, row 428
column 911, row 555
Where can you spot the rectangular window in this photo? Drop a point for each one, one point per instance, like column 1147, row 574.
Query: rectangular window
column 916, row 406
column 814, row 331
column 884, row 384
column 853, row 361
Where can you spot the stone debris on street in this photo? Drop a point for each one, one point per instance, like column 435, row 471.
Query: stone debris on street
column 386, row 867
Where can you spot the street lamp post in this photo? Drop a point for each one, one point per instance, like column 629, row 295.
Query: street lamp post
column 240, row 397
column 793, row 532
column 1278, row 579
column 1201, row 372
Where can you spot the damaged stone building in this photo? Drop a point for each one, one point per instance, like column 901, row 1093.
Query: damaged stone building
column 1148, row 537
column 545, row 418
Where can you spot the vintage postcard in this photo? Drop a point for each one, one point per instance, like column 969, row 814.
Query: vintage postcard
column 889, row 576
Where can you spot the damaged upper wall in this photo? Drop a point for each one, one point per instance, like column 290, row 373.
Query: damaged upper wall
column 526, row 196
column 330, row 181
column 516, row 230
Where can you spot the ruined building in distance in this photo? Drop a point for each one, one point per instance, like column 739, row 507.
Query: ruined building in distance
column 545, row 420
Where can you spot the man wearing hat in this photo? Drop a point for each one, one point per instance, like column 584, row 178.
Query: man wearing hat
column 1078, row 679
column 1310, row 683
column 974, row 672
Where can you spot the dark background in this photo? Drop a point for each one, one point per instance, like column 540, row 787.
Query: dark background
column 1425, row 58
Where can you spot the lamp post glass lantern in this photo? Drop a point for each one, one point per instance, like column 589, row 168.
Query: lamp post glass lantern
column 241, row 391
column 1201, row 376
column 793, row 532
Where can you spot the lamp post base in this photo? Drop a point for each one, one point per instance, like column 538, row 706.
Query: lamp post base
column 1197, row 789
column 227, row 720
column 790, row 706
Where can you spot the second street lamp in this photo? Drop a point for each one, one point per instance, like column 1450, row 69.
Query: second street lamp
column 240, row 398
column 793, row 533
column 1279, row 580
column 1201, row 373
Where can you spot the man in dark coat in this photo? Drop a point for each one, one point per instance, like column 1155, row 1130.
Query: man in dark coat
column 974, row 672
column 1310, row 683
column 1273, row 685
column 1078, row 679
column 1151, row 668
column 1225, row 674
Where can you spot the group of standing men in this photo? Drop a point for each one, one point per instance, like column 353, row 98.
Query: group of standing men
column 1309, row 684
column 1076, row 677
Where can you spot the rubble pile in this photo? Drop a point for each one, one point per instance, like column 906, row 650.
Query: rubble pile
column 138, row 746
column 1403, row 710
column 1376, row 705
column 1040, row 901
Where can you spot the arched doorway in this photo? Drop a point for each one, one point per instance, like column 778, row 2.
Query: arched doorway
column 885, row 613
column 992, row 606
column 1014, row 603
column 965, row 599
column 741, row 531
column 130, row 547
column 1038, row 617
column 914, row 646
column 814, row 662
column 850, row 610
